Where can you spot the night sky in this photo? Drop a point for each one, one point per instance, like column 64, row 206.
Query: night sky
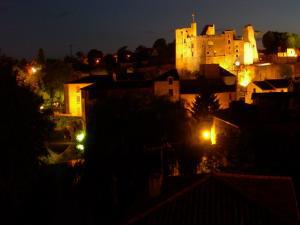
column 27, row 25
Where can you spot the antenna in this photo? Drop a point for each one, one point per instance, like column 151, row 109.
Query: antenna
column 193, row 16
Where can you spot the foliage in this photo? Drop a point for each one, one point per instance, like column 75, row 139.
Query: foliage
column 205, row 104
column 23, row 132
column 41, row 59
column 274, row 41
column 56, row 73
column 121, row 132
column 94, row 55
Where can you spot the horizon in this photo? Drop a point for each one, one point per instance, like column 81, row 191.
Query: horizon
column 107, row 26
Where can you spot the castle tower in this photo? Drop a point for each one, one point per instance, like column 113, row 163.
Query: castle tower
column 249, row 36
column 186, row 49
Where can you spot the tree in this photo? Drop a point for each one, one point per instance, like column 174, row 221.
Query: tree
column 161, row 49
column 94, row 57
column 56, row 73
column 205, row 104
column 23, row 131
column 141, row 55
column 109, row 63
column 41, row 57
column 121, row 131
column 274, row 41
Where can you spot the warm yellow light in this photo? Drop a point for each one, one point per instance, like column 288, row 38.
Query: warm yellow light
column 42, row 107
column 80, row 137
column 245, row 78
column 33, row 69
column 213, row 137
column 237, row 63
column 206, row 134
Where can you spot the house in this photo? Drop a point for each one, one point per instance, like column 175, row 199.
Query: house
column 220, row 198
column 267, row 86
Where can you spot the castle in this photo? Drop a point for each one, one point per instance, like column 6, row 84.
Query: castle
column 193, row 51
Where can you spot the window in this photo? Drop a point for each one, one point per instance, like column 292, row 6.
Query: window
column 207, row 53
column 170, row 80
column 254, row 90
column 229, row 42
column 237, row 50
column 171, row 93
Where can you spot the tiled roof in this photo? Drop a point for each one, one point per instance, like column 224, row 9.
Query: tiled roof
column 172, row 73
column 212, row 85
column 263, row 85
column 279, row 83
column 219, row 199
column 92, row 79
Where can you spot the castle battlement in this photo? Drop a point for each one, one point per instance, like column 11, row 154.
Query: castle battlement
column 193, row 50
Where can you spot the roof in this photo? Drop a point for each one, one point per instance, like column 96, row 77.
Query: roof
column 164, row 77
column 263, row 85
column 273, row 84
column 124, row 84
column 92, row 79
column 212, row 85
column 279, row 83
column 228, row 199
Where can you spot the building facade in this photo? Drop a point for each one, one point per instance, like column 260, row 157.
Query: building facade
column 193, row 50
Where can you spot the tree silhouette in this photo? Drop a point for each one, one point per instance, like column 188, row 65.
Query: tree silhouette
column 204, row 104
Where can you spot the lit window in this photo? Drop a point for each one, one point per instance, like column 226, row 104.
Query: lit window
column 78, row 99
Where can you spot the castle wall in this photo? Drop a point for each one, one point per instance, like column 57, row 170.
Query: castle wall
column 192, row 51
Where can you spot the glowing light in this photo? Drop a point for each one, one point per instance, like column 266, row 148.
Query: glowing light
column 245, row 79
column 97, row 61
column 80, row 147
column 33, row 70
column 42, row 107
column 213, row 137
column 80, row 137
column 206, row 135
column 237, row 63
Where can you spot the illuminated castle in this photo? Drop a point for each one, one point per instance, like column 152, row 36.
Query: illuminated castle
column 224, row 49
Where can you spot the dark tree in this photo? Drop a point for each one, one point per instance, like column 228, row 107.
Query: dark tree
column 41, row 57
column 121, row 133
column 110, row 63
column 205, row 104
column 278, row 41
column 94, row 57
column 56, row 73
column 22, row 136
column 142, row 55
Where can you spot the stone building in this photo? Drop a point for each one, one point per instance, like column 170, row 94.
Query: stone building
column 193, row 50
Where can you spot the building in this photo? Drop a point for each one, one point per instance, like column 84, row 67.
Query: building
column 227, row 199
column 267, row 86
column 193, row 50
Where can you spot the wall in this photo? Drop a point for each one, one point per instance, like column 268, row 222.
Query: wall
column 73, row 98
column 163, row 88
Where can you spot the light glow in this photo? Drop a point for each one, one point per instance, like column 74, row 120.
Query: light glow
column 80, row 147
column 80, row 137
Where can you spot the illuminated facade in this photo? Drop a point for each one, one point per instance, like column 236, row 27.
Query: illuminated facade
column 224, row 49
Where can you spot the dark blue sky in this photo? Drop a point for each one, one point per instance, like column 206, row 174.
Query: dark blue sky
column 107, row 25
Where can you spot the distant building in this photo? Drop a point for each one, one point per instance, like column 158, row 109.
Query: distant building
column 193, row 51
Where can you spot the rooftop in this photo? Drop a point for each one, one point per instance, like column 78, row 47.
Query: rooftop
column 228, row 199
